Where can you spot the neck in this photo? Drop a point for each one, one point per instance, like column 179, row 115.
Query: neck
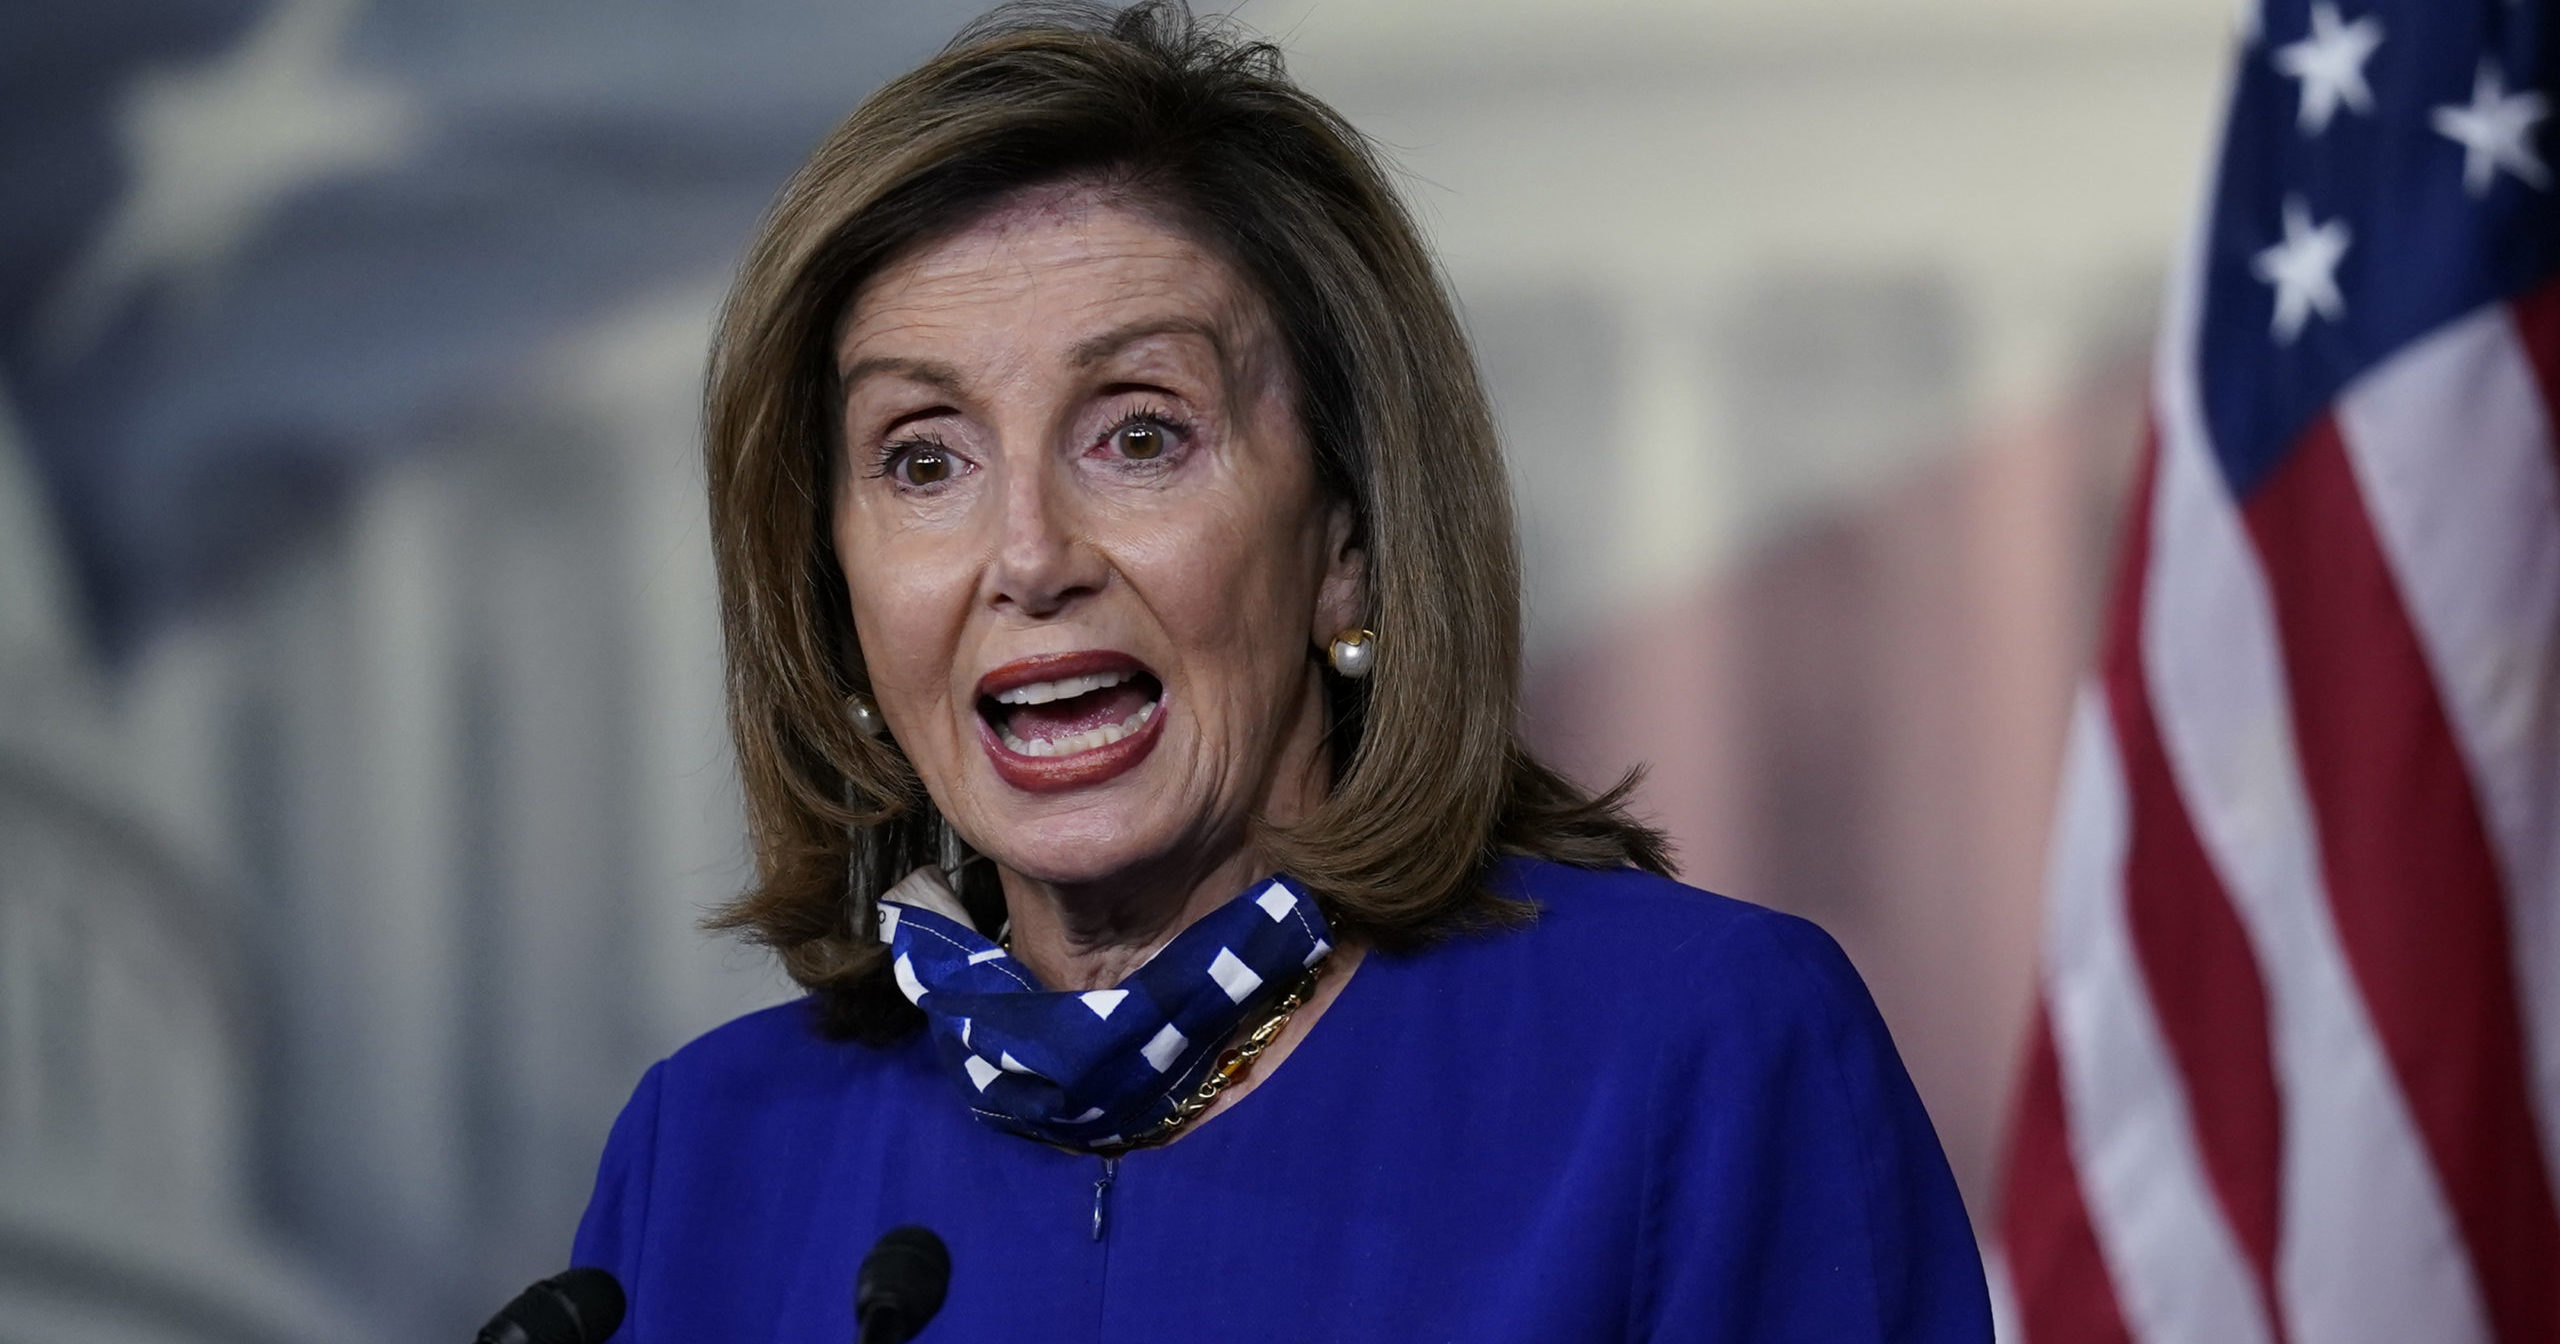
column 1077, row 936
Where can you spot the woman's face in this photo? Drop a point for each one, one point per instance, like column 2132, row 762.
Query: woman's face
column 1088, row 556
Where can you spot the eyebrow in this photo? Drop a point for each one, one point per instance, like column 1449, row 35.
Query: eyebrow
column 1095, row 349
column 931, row 373
column 1088, row 352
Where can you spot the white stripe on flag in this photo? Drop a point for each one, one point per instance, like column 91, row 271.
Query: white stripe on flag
column 2368, row 1249
column 2452, row 447
column 2179, row 1275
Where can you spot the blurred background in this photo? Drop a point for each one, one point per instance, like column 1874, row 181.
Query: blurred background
column 362, row 774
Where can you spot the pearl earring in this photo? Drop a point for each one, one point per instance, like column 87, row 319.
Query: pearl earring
column 1354, row 653
column 865, row 716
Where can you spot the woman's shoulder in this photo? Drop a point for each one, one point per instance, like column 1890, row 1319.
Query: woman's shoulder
column 783, row 1033
column 776, row 1057
column 1636, row 961
column 1766, row 1069
column 1629, row 928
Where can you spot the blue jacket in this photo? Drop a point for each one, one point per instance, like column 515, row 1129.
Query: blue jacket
column 1650, row 1114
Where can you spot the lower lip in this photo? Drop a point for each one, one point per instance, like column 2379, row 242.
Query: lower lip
column 1056, row 774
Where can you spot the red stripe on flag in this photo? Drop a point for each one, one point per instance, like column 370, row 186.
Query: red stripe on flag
column 2537, row 318
column 2410, row 875
column 2195, row 954
column 2064, row 1295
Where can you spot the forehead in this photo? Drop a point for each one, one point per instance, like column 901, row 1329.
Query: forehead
column 1052, row 265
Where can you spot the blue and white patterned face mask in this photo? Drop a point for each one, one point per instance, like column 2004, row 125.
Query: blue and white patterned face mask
column 1085, row 1070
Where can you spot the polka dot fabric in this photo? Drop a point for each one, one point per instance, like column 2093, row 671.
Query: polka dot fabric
column 1088, row 1069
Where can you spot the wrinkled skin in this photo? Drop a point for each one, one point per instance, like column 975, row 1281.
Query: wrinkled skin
column 1070, row 427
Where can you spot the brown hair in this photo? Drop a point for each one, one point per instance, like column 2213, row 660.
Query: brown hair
column 1432, row 781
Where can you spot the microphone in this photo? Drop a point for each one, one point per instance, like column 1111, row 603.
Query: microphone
column 900, row 1285
column 581, row 1306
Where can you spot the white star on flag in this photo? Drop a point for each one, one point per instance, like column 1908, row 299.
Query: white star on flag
column 2304, row 270
column 2330, row 64
column 2496, row 131
column 214, row 150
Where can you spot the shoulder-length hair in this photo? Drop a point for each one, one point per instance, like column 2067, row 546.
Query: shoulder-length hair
column 1432, row 782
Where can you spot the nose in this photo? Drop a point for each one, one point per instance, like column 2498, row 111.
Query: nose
column 1043, row 559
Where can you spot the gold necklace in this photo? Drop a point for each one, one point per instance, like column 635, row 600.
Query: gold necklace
column 1236, row 1061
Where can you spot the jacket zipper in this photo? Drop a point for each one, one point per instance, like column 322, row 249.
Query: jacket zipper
column 1102, row 1191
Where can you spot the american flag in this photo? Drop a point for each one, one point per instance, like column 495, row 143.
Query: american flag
column 2296, row 1069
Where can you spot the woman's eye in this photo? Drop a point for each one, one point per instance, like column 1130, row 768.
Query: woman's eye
column 923, row 465
column 1141, row 442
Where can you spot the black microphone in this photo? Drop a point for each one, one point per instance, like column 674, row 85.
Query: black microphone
column 900, row 1285
column 581, row 1306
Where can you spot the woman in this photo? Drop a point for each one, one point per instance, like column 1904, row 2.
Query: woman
column 1123, row 635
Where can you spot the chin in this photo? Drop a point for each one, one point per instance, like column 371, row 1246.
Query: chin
column 1072, row 855
column 1090, row 835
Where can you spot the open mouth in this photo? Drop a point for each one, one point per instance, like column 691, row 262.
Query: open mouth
column 1072, row 714
column 1070, row 718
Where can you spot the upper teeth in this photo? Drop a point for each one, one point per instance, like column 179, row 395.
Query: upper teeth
column 1042, row 692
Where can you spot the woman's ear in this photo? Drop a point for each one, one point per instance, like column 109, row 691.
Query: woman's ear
column 1342, row 596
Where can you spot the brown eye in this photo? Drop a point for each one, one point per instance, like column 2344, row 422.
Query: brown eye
column 1141, row 442
column 926, row 466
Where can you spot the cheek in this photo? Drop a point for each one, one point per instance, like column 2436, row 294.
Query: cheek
column 905, row 618
column 1234, row 590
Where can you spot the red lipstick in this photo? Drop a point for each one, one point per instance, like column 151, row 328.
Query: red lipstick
column 1128, row 689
